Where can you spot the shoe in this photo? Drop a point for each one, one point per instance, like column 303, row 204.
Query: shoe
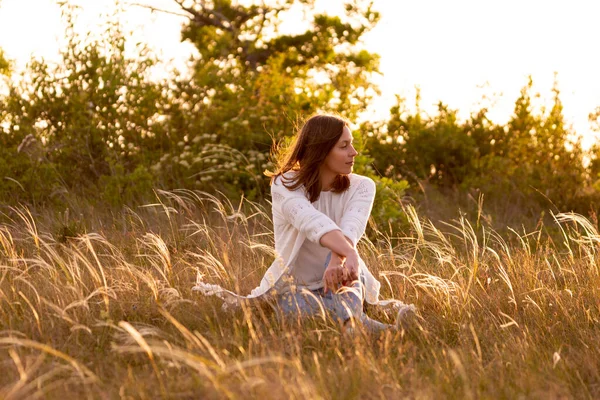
column 406, row 319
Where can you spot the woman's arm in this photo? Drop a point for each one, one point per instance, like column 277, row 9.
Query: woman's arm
column 354, row 221
column 341, row 246
column 335, row 274
column 337, row 243
column 294, row 208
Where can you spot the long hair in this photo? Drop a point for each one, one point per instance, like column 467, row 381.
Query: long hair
column 307, row 152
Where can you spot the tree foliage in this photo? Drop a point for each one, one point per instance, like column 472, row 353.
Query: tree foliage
column 85, row 119
column 4, row 64
column 98, row 124
column 534, row 159
column 251, row 83
column 96, row 120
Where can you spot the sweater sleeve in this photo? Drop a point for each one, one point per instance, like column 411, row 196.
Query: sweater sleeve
column 357, row 211
column 296, row 209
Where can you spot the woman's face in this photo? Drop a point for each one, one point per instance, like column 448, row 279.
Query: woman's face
column 340, row 159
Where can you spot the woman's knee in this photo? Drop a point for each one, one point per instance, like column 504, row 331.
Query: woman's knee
column 351, row 299
column 299, row 305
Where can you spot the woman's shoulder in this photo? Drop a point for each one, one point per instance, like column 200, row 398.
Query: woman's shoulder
column 286, row 177
column 361, row 182
column 284, row 184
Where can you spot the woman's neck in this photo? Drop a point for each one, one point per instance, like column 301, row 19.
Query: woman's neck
column 327, row 180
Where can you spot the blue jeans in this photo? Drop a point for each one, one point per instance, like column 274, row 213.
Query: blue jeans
column 342, row 306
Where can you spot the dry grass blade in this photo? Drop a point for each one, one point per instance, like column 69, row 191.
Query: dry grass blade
column 494, row 309
column 81, row 369
column 144, row 345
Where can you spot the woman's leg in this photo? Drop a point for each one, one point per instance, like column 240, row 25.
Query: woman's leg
column 301, row 303
column 348, row 304
column 343, row 306
column 373, row 326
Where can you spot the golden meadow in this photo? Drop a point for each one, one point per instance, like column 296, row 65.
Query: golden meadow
column 104, row 309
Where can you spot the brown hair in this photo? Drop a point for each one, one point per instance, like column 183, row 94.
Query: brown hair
column 307, row 152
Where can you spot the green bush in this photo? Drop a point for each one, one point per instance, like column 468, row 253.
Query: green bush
column 28, row 180
column 534, row 162
column 121, row 188
column 95, row 109
column 387, row 213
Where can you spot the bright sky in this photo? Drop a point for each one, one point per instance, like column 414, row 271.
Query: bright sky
column 455, row 51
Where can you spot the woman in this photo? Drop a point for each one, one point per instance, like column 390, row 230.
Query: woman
column 320, row 211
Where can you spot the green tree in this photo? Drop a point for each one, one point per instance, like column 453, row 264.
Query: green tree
column 593, row 153
column 534, row 161
column 505, row 170
column 92, row 116
column 545, row 155
column 435, row 149
column 250, row 77
column 4, row 64
column 250, row 84
column 560, row 168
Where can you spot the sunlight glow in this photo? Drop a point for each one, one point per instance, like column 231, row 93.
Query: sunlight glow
column 455, row 52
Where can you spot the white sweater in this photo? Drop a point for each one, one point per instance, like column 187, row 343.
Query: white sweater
column 307, row 269
column 296, row 219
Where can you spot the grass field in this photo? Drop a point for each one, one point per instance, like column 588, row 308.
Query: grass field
column 98, row 304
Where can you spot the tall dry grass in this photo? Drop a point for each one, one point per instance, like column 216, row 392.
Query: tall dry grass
column 99, row 305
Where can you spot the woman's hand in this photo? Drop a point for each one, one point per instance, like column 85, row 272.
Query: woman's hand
column 335, row 275
column 351, row 265
column 339, row 244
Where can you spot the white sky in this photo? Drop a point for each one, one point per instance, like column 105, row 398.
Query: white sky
column 455, row 51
